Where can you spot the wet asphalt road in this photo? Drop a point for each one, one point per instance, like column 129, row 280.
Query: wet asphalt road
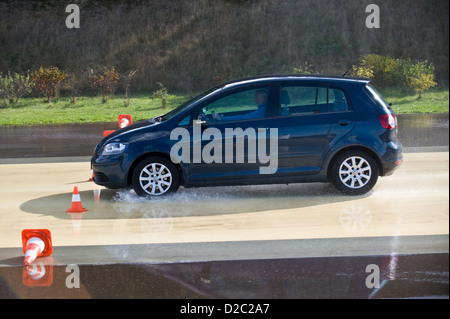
column 415, row 131
column 51, row 140
column 403, row 274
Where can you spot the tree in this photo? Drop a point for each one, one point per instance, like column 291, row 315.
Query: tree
column 419, row 76
column 128, row 78
column 421, row 82
column 162, row 94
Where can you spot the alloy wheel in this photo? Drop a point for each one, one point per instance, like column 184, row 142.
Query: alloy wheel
column 155, row 179
column 355, row 172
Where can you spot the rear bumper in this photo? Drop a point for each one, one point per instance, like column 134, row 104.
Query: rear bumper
column 389, row 168
column 392, row 158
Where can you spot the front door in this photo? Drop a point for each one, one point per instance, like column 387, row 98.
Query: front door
column 229, row 136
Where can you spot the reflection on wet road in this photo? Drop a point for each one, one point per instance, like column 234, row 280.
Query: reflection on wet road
column 406, row 276
column 415, row 130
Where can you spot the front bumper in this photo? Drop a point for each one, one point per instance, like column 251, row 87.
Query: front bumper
column 109, row 171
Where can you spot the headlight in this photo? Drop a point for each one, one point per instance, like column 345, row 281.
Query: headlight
column 113, row 149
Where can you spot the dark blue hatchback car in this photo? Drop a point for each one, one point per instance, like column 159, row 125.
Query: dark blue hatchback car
column 265, row 130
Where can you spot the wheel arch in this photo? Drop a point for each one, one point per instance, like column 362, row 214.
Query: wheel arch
column 355, row 148
column 147, row 155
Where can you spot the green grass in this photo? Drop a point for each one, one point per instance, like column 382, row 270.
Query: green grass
column 434, row 100
column 32, row 111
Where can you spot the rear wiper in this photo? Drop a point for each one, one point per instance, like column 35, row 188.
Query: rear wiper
column 157, row 118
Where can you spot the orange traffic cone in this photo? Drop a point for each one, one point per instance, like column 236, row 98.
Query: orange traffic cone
column 76, row 203
column 107, row 132
column 36, row 242
column 125, row 120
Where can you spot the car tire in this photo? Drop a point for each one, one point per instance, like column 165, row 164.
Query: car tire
column 354, row 172
column 155, row 176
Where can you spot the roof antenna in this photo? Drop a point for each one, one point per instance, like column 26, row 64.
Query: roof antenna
column 346, row 71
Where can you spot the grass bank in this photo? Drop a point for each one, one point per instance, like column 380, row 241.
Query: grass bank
column 33, row 111
column 435, row 100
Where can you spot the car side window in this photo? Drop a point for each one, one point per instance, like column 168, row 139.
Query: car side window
column 297, row 100
column 337, row 101
column 242, row 105
column 185, row 121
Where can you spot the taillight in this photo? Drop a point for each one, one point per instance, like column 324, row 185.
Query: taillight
column 388, row 121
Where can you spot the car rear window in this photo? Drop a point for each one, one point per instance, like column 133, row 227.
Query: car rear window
column 377, row 97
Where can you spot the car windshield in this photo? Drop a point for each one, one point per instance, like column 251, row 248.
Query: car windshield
column 184, row 106
column 377, row 96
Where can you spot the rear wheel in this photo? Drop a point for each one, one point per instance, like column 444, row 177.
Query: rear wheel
column 355, row 172
column 155, row 176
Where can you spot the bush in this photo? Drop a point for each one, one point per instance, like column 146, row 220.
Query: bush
column 104, row 83
column 385, row 71
column 12, row 87
column 75, row 83
column 47, row 80
column 380, row 69
column 305, row 68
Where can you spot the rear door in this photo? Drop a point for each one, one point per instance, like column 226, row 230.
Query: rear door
column 311, row 118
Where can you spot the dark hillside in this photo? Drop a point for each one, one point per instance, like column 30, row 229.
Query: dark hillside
column 189, row 44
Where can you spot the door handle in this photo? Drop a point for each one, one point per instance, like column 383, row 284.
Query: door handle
column 344, row 122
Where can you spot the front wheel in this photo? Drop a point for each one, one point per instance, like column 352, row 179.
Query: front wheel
column 155, row 176
column 355, row 172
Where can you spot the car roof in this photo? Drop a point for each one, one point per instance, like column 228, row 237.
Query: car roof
column 330, row 79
